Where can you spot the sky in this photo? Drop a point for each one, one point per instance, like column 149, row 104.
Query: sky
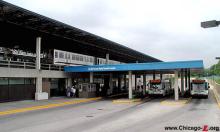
column 165, row 29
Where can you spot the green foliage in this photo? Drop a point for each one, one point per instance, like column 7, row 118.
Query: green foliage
column 213, row 70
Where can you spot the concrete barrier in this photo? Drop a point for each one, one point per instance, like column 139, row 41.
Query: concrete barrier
column 216, row 90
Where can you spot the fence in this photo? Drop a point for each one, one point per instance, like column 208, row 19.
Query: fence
column 29, row 65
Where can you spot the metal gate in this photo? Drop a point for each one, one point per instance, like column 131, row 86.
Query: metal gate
column 16, row 92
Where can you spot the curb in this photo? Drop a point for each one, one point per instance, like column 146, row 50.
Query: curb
column 118, row 95
column 41, row 107
column 217, row 97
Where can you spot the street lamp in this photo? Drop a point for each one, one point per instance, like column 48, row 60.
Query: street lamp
column 209, row 24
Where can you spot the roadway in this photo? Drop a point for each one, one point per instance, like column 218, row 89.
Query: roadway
column 99, row 116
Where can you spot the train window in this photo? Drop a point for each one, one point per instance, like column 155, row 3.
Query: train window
column 68, row 56
column 91, row 60
column 56, row 54
column 73, row 57
column 77, row 57
column 81, row 58
column 61, row 55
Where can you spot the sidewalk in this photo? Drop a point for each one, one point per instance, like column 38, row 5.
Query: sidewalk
column 30, row 105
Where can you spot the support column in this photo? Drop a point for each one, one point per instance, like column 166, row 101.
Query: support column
column 119, row 84
column 182, row 82
column 125, row 81
column 39, row 95
column 135, row 82
column 107, row 58
column 38, row 85
column 176, row 90
column 186, row 80
column 38, row 51
column 91, row 77
column 144, row 84
column 154, row 75
column 111, row 83
column 189, row 86
column 69, row 82
column 130, row 85
column 161, row 76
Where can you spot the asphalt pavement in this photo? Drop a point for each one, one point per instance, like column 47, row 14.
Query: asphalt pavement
column 105, row 116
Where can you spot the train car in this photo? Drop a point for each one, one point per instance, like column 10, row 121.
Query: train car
column 199, row 88
column 69, row 58
column 160, row 87
column 102, row 61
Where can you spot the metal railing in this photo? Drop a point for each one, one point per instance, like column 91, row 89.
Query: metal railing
column 29, row 65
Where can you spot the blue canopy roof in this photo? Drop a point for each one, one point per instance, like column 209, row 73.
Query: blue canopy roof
column 195, row 64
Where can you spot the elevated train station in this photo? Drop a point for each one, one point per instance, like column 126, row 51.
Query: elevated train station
column 40, row 57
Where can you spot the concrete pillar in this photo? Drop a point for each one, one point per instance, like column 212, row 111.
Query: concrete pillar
column 39, row 95
column 39, row 85
column 135, row 82
column 91, row 77
column 189, row 86
column 119, row 83
column 107, row 58
column 186, row 80
column 161, row 76
column 144, row 84
column 69, row 82
column 154, row 77
column 125, row 81
column 111, row 83
column 182, row 82
column 130, row 85
column 38, row 51
column 176, row 90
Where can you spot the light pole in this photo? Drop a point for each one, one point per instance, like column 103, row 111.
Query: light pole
column 209, row 24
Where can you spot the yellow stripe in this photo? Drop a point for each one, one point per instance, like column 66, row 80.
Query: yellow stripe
column 179, row 102
column 40, row 107
column 126, row 101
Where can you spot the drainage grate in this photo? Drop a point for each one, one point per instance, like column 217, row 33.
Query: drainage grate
column 89, row 116
column 198, row 109
column 100, row 109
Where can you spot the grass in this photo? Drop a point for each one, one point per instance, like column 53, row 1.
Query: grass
column 217, row 80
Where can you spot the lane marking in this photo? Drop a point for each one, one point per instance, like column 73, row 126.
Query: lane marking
column 41, row 107
column 130, row 101
column 126, row 101
column 175, row 103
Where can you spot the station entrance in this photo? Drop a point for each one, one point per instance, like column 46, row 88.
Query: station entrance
column 179, row 69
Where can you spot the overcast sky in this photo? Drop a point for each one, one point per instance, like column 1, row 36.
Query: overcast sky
column 166, row 29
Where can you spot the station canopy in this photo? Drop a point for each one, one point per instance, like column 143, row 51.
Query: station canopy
column 21, row 27
column 162, row 67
